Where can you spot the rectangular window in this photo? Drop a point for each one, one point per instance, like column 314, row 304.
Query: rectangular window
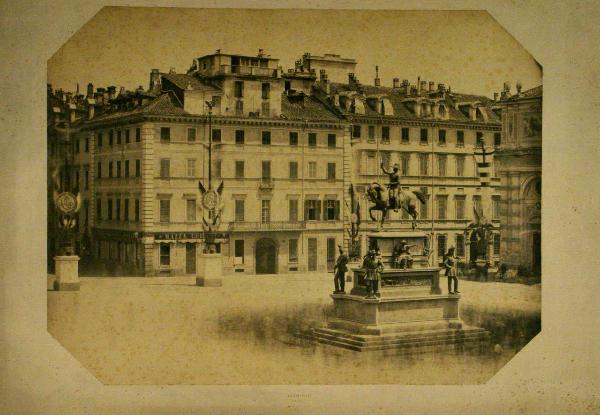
column 239, row 169
column 442, row 205
column 331, row 210
column 496, row 244
column 110, row 169
column 497, row 139
column 119, row 168
column 216, row 135
column 495, row 207
column 405, row 135
column 442, row 137
column 238, row 89
column 331, row 141
column 238, row 251
column 87, row 145
column 165, row 167
column 119, row 136
column 460, row 245
column 460, row 166
column 441, row 245
column 312, row 169
column 312, row 208
column 138, row 168
column 111, row 135
column 385, row 134
column 127, row 138
column 137, row 210
column 424, row 136
column 165, row 134
column 371, row 132
column 293, row 210
column 312, row 139
column 330, row 171
column 265, row 109
column 386, row 159
column 442, row 165
column 165, row 211
column 190, row 210
column 218, row 172
column 109, row 209
column 424, row 211
column 138, row 135
column 293, row 169
column 266, row 138
column 118, row 209
column 293, row 138
column 460, row 138
column 126, row 168
column 460, row 207
column 165, row 254
column 99, row 209
column 356, row 131
column 86, row 179
column 371, row 168
column 126, row 210
column 266, row 169
column 191, row 135
column 265, row 211
column 293, row 250
column 191, row 168
column 239, row 136
column 239, row 210
column 77, row 146
column 99, row 140
column 424, row 164
column 99, row 171
column 405, row 165
column 477, row 203
column 266, row 91
column 239, row 107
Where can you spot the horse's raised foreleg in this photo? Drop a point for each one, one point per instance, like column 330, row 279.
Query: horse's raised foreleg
column 371, row 213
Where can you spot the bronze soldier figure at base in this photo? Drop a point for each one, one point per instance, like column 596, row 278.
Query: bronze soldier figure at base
column 340, row 268
column 373, row 267
column 450, row 265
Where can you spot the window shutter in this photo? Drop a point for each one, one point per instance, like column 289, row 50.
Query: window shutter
column 337, row 210
column 318, row 217
column 306, row 210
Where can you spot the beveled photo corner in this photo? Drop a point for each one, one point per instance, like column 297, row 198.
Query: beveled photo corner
column 293, row 196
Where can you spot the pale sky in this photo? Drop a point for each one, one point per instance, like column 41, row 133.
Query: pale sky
column 467, row 50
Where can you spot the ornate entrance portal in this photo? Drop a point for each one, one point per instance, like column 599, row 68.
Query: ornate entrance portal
column 266, row 256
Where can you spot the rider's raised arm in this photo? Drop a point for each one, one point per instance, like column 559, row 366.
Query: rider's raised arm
column 383, row 169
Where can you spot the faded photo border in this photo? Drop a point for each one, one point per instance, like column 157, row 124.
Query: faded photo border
column 557, row 372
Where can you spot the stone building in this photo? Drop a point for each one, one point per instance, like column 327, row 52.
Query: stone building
column 287, row 145
column 519, row 166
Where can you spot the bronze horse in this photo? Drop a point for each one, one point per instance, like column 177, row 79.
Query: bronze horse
column 407, row 200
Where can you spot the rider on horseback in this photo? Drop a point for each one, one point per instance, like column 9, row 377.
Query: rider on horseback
column 393, row 185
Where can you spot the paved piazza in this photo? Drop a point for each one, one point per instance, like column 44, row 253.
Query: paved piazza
column 169, row 331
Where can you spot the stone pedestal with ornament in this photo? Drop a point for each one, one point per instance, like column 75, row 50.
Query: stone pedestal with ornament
column 67, row 273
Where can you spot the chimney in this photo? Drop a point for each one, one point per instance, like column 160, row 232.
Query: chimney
column 495, row 96
column 325, row 82
column 377, row 80
column 431, row 86
column 261, row 53
column 441, row 87
column 172, row 70
column 112, row 92
column 396, row 83
column 91, row 107
column 519, row 87
column 418, row 85
column 90, row 90
column 406, row 86
column 154, row 79
column 423, row 86
column 322, row 73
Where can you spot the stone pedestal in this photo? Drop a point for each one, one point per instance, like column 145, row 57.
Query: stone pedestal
column 211, row 270
column 67, row 273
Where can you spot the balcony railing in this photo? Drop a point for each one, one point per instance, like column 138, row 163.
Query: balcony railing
column 247, row 70
column 267, row 226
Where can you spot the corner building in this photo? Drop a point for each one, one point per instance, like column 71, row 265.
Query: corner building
column 287, row 146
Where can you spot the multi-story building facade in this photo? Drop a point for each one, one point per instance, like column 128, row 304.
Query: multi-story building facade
column 519, row 166
column 287, row 146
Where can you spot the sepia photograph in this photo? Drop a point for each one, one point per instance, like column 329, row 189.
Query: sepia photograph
column 293, row 196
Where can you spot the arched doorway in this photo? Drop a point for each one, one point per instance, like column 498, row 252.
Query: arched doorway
column 266, row 256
